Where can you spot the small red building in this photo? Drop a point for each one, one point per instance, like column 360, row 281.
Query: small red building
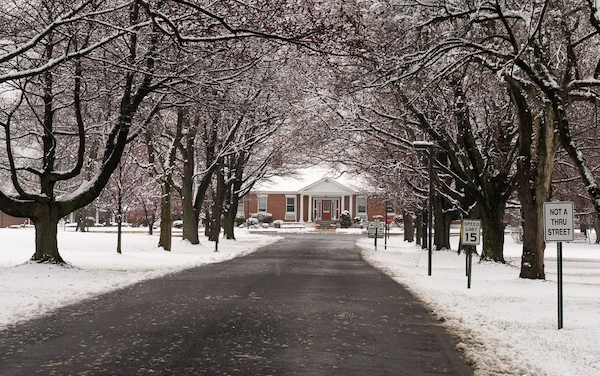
column 313, row 197
column 7, row 221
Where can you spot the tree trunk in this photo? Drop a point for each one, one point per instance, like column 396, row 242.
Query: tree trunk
column 409, row 228
column 189, row 213
column 119, row 232
column 492, row 225
column 425, row 232
column 597, row 228
column 151, row 224
column 229, row 223
column 46, row 230
column 441, row 225
column 119, row 214
column 533, row 180
column 532, row 261
column 166, row 221
column 218, row 206
column 80, row 220
column 419, row 227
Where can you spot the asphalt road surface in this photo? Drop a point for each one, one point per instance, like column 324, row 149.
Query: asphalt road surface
column 306, row 305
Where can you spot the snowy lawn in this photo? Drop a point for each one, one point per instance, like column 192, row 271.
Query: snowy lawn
column 507, row 325
column 28, row 290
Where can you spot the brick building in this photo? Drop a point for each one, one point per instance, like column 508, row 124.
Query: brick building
column 7, row 221
column 313, row 197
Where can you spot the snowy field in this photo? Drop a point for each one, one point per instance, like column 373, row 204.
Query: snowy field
column 28, row 290
column 507, row 325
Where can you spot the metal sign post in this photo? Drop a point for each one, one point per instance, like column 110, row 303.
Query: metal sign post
column 559, row 283
column 558, row 227
column 375, row 230
column 471, row 236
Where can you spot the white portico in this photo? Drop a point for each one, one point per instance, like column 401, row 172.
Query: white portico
column 326, row 200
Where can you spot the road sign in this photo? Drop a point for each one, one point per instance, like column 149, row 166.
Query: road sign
column 471, row 229
column 558, row 221
column 375, row 227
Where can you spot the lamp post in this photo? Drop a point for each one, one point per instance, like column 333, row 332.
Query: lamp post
column 425, row 145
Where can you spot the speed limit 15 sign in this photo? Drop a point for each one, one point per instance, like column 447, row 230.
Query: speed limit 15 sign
column 471, row 231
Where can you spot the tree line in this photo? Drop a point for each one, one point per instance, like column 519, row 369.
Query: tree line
column 85, row 83
column 507, row 92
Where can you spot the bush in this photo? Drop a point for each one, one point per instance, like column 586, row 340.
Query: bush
column 277, row 223
column 239, row 219
column 262, row 217
column 345, row 219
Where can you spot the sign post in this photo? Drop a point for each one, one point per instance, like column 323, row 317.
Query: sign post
column 375, row 230
column 471, row 236
column 558, row 227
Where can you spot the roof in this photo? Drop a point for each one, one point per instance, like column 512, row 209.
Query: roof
column 317, row 179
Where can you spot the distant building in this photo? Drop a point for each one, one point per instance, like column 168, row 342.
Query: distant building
column 7, row 221
column 314, row 196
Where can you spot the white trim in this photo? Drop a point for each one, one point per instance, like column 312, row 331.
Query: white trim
column 341, row 188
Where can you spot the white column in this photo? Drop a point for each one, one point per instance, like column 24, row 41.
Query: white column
column 310, row 208
column 343, row 204
column 301, row 208
column 351, row 207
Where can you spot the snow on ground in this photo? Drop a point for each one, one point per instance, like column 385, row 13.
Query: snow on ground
column 28, row 289
column 506, row 325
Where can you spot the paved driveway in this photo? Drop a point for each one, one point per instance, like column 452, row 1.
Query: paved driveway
column 306, row 305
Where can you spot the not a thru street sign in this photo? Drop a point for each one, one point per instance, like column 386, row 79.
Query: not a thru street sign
column 558, row 221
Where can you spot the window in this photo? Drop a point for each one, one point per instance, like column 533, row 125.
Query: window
column 361, row 205
column 262, row 203
column 290, row 204
column 240, row 208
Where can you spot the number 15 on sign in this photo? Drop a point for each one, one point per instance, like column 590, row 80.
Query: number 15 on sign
column 471, row 229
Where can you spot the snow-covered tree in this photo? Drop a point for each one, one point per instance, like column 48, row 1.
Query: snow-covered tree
column 80, row 78
column 540, row 51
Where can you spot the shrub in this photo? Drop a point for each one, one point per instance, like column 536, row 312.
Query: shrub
column 345, row 219
column 239, row 219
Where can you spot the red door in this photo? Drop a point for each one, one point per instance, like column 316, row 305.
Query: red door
column 326, row 210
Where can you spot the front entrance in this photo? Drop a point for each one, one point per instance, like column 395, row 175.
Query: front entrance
column 326, row 209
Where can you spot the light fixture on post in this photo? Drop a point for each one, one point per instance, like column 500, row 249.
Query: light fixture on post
column 426, row 145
